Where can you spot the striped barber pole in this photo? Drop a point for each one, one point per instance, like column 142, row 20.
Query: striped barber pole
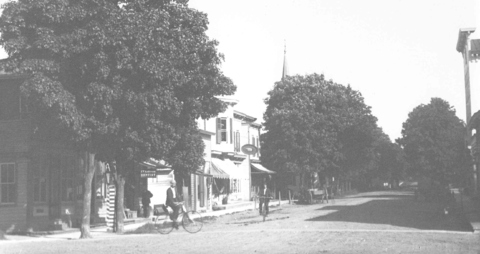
column 111, row 206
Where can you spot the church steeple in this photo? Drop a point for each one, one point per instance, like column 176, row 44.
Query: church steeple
column 285, row 66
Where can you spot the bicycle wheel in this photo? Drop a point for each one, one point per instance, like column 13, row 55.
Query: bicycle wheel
column 163, row 224
column 192, row 221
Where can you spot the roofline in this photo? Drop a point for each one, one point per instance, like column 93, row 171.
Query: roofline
column 209, row 133
column 243, row 116
column 230, row 101
column 463, row 34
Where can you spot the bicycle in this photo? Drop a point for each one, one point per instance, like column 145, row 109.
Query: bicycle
column 264, row 210
column 192, row 221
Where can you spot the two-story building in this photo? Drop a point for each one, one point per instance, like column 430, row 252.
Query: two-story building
column 41, row 181
column 234, row 176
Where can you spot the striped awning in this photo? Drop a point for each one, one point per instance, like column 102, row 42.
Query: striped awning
column 224, row 169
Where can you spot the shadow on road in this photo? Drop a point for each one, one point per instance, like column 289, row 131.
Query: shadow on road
column 385, row 196
column 396, row 210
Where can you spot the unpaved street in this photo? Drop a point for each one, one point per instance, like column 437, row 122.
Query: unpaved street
column 375, row 222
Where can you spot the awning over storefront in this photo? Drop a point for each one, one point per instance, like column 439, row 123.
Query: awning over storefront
column 259, row 169
column 225, row 169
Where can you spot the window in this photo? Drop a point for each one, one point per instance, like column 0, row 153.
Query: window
column 9, row 102
column 68, row 173
column 8, row 183
column 235, row 186
column 253, row 140
column 40, row 183
column 221, row 130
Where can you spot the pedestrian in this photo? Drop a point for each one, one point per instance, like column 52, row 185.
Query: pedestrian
column 265, row 195
column 146, row 203
column 325, row 193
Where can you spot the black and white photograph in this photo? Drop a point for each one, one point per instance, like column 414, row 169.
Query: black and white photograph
column 254, row 126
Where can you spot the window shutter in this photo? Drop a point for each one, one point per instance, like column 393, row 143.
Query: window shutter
column 219, row 127
column 237, row 141
column 231, row 131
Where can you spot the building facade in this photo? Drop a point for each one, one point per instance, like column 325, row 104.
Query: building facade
column 235, row 175
column 42, row 182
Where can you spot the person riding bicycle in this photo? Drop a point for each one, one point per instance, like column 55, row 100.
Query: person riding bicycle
column 265, row 195
column 173, row 200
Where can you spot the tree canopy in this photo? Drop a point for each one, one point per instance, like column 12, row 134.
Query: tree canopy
column 126, row 79
column 314, row 125
column 433, row 138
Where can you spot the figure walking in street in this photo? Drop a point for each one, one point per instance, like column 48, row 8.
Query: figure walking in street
column 265, row 193
column 146, row 203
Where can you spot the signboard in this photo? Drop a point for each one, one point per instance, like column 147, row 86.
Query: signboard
column 249, row 149
column 148, row 173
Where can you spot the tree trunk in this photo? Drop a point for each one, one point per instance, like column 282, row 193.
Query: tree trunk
column 89, row 167
column 120, row 211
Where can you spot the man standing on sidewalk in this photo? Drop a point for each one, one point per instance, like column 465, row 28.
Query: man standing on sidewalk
column 146, row 203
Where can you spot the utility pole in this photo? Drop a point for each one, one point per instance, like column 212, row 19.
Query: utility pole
column 463, row 47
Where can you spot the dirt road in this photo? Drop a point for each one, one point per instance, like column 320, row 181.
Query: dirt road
column 375, row 222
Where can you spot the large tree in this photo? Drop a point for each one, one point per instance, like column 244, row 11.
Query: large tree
column 390, row 162
column 314, row 125
column 124, row 80
column 433, row 138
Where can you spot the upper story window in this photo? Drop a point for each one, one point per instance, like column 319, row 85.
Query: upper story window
column 221, row 130
column 8, row 186
column 12, row 104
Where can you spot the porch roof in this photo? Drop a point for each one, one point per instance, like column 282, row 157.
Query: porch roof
column 259, row 169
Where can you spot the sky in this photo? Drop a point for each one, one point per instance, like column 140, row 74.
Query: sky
column 397, row 53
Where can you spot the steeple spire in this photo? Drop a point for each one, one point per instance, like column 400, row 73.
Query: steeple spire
column 285, row 66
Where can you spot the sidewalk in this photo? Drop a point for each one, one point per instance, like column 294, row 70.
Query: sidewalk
column 103, row 231
column 470, row 207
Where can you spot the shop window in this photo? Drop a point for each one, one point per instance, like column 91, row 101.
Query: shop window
column 68, row 173
column 8, row 183
column 235, row 185
column 40, row 184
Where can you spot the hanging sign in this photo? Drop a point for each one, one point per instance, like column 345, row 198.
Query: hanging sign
column 148, row 173
column 249, row 149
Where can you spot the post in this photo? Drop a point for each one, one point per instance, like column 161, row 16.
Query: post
column 290, row 197
column 463, row 47
column 475, row 183
column 279, row 198
column 249, row 178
